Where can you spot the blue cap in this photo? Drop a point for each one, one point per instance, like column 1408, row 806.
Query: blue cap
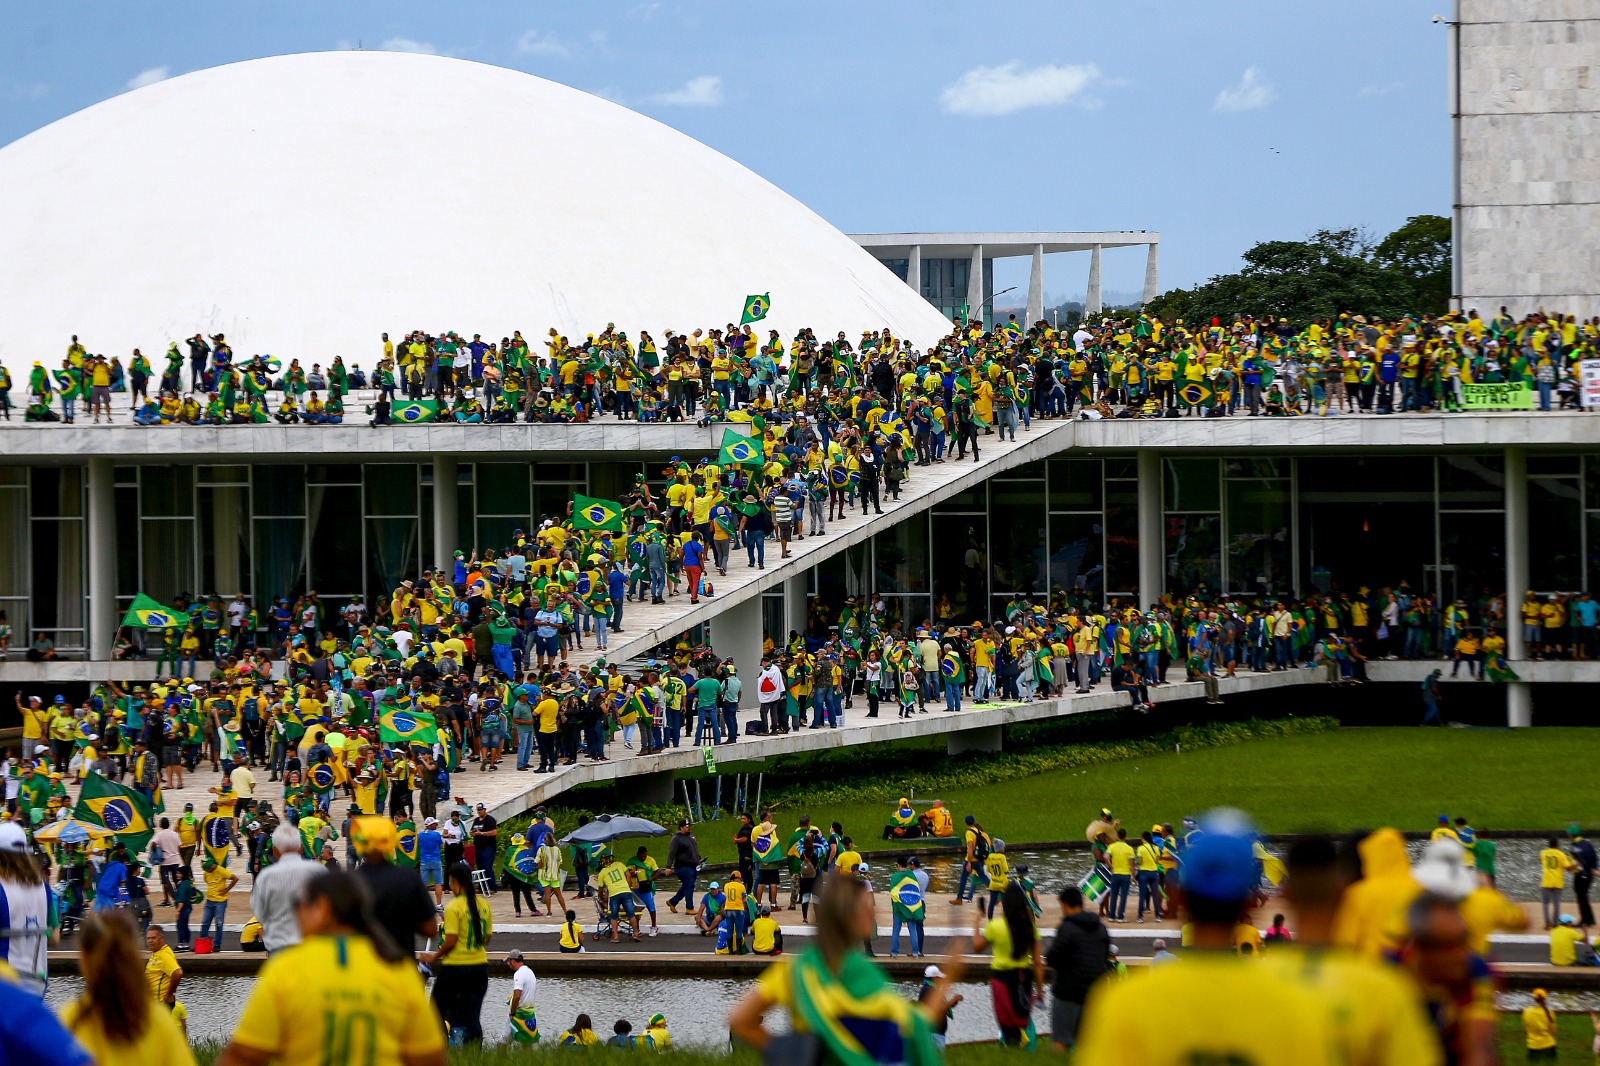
column 1220, row 863
column 61, row 699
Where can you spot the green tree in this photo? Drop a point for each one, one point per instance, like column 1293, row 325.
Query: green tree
column 1329, row 273
column 1420, row 250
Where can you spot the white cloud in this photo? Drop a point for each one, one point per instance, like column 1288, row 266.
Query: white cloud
column 148, row 77
column 406, row 44
column 533, row 43
column 1382, row 90
column 704, row 91
column 1252, row 93
column 1009, row 87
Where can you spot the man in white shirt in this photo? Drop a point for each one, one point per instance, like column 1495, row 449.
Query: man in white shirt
column 771, row 690
column 166, row 838
column 277, row 889
column 523, row 984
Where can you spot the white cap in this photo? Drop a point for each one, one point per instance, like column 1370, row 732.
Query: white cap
column 933, row 973
column 12, row 838
column 194, row 688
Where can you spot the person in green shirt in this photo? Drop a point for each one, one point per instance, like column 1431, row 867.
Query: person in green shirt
column 1483, row 852
column 706, row 693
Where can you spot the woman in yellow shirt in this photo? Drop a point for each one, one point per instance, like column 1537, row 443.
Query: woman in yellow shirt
column 346, row 993
column 115, row 1018
column 461, row 964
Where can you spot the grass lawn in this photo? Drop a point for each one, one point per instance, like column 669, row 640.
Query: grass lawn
column 1349, row 779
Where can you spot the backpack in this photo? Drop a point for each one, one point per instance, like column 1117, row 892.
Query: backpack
column 980, row 849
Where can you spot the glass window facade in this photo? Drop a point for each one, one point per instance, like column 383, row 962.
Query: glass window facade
column 1256, row 525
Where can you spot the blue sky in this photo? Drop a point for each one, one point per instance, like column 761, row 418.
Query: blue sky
column 1217, row 123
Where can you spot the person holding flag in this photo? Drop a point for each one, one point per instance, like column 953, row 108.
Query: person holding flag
column 910, row 907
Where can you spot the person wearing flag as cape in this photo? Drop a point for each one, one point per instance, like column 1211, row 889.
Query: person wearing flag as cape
column 836, row 995
column 910, row 908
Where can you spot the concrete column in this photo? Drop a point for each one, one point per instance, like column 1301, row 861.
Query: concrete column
column 1152, row 547
column 736, row 634
column 1519, row 694
column 984, row 738
column 1152, row 273
column 102, row 535
column 1091, row 300
column 446, row 521
column 914, row 269
column 795, row 606
column 1036, row 287
column 975, row 286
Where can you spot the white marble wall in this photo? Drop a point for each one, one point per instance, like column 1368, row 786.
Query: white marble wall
column 1530, row 155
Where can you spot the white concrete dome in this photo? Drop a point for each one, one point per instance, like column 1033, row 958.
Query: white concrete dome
column 304, row 204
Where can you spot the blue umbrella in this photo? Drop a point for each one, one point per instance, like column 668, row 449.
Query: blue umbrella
column 612, row 827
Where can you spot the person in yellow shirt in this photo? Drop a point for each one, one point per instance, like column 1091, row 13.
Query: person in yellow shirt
column 998, row 870
column 1369, row 908
column 345, row 993
column 461, row 963
column 161, row 970
column 1553, row 866
column 613, row 879
column 1373, row 1010
column 1564, row 941
column 1120, row 857
column 1209, row 1005
column 1539, row 1027
column 113, row 1018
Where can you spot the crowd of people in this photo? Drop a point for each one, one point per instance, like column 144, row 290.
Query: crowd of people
column 1367, row 922
column 1123, row 364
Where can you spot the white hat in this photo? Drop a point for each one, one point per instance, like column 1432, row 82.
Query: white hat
column 194, row 688
column 933, row 973
column 40, row 749
column 12, row 838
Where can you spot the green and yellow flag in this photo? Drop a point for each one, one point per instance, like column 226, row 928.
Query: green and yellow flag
column 591, row 513
column 741, row 451
column 402, row 727
column 414, row 411
column 216, row 837
column 146, row 613
column 756, row 308
column 406, row 850
column 122, row 810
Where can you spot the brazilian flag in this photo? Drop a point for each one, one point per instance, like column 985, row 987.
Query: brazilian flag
column 403, row 727
column 521, row 863
column 838, row 476
column 741, row 451
column 122, row 810
column 765, row 845
column 524, row 1026
column 146, row 613
column 906, row 896
column 216, row 836
column 1195, row 394
column 321, row 778
column 953, row 668
column 405, row 852
column 756, row 308
column 591, row 513
column 412, row 412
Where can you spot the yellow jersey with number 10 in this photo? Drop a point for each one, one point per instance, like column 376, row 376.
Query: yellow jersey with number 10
column 331, row 999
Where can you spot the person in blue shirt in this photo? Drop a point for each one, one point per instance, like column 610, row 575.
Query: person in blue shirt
column 430, row 859
column 1585, row 614
column 29, row 1030
column 694, row 553
column 617, row 587
column 1388, row 374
